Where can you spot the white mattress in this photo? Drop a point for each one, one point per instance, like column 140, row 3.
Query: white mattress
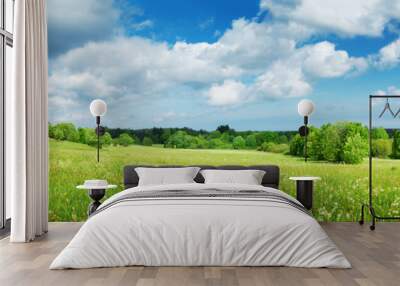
column 202, row 232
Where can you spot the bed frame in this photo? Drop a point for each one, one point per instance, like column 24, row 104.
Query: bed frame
column 270, row 179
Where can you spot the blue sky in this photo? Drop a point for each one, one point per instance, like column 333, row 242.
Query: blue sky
column 204, row 63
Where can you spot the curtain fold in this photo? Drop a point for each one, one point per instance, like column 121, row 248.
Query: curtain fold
column 27, row 123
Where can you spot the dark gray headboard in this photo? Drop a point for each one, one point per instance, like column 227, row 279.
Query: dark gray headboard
column 271, row 177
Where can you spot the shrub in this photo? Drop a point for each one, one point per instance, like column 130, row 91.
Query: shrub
column 265, row 147
column 106, row 139
column 381, row 148
column 282, row 139
column 124, row 140
column 65, row 131
column 239, row 142
column 273, row 148
column 147, row 141
column 216, row 144
column 355, row 149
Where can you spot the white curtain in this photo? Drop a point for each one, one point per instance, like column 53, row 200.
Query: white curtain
column 27, row 123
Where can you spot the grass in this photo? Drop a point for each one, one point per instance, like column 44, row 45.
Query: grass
column 337, row 196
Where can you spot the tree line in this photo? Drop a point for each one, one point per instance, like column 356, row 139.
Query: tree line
column 346, row 142
column 338, row 142
column 223, row 137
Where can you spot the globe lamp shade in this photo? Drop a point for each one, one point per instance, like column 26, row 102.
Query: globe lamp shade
column 305, row 107
column 98, row 107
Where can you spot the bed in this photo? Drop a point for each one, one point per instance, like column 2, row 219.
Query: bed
column 198, row 224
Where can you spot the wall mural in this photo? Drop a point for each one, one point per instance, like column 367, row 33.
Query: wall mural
column 199, row 82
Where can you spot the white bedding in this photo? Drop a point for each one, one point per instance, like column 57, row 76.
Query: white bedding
column 200, row 231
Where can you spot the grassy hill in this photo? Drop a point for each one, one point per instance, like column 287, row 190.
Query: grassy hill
column 337, row 196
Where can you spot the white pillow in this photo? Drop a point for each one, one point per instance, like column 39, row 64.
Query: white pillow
column 248, row 177
column 166, row 176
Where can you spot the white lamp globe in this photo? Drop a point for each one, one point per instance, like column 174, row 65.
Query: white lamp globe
column 305, row 107
column 98, row 107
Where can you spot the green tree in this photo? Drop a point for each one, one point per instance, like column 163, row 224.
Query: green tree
column 355, row 149
column 166, row 133
column 296, row 147
column 315, row 146
column 224, row 128
column 86, row 135
column 58, row 133
column 124, row 140
column 346, row 130
column 330, row 143
column 282, row 139
column 267, row 136
column 215, row 134
column 50, row 130
column 251, row 141
column 66, row 131
column 381, row 148
column 379, row 133
column 106, row 139
column 201, row 142
column 396, row 145
column 239, row 142
column 216, row 143
column 147, row 141
column 226, row 137
column 179, row 139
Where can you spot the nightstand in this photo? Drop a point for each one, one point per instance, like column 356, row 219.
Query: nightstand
column 96, row 193
column 304, row 190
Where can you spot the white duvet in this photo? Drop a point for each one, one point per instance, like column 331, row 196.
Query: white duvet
column 200, row 231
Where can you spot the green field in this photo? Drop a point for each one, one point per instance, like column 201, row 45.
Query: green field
column 337, row 196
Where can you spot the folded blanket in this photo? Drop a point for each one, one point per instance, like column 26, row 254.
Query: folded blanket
column 206, row 193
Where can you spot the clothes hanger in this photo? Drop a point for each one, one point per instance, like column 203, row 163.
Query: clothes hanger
column 387, row 107
column 397, row 113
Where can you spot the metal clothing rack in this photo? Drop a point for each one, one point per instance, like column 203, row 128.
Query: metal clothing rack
column 370, row 206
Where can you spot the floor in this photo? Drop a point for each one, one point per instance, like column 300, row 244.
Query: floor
column 375, row 257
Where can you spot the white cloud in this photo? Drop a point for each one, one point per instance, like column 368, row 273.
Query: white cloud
column 391, row 90
column 343, row 17
column 281, row 81
column 323, row 60
column 253, row 45
column 228, row 93
column 389, row 55
column 142, row 25
column 249, row 61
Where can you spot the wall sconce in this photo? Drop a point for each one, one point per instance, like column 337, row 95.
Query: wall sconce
column 305, row 108
column 98, row 108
